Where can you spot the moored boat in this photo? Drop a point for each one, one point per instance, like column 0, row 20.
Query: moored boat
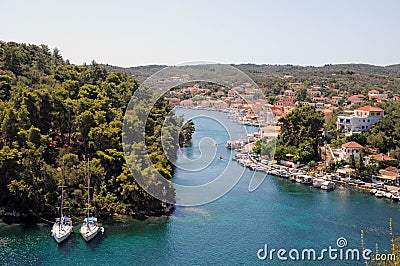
column 307, row 180
column 328, row 185
column 317, row 182
column 62, row 228
column 90, row 226
column 388, row 195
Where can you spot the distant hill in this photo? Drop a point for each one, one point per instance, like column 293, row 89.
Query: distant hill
column 140, row 73
column 355, row 78
column 391, row 70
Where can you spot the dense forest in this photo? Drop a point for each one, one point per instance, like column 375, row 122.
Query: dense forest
column 51, row 109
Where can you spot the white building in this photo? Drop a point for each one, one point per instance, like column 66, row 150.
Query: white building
column 219, row 105
column 360, row 120
column 269, row 132
column 350, row 148
column 289, row 93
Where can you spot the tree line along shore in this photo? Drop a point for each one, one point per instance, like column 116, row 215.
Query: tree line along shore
column 49, row 109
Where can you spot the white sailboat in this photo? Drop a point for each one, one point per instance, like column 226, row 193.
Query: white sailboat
column 90, row 226
column 62, row 228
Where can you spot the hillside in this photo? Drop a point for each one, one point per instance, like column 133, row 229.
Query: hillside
column 354, row 78
column 50, row 110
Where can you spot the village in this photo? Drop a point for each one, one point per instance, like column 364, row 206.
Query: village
column 352, row 114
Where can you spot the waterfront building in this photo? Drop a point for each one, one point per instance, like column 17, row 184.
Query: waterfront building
column 350, row 148
column 187, row 103
column 360, row 120
column 389, row 175
column 269, row 132
column 376, row 158
column 174, row 101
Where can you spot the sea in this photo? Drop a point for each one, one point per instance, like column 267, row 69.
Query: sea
column 238, row 227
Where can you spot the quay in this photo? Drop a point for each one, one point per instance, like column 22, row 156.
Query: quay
column 321, row 180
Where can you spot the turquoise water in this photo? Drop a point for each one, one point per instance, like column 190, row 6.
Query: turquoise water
column 227, row 231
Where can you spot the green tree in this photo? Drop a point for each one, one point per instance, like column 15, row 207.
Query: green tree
column 186, row 133
column 301, row 127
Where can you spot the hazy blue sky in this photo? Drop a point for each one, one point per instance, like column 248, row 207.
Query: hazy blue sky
column 129, row 33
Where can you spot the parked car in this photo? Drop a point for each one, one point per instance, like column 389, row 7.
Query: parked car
column 378, row 185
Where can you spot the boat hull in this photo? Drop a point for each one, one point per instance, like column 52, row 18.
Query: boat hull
column 88, row 233
column 61, row 234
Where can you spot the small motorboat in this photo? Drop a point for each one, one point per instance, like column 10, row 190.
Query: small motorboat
column 317, row 182
column 307, row 180
column 373, row 191
column 328, row 185
column 388, row 195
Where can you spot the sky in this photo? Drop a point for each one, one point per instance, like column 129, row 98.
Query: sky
column 132, row 33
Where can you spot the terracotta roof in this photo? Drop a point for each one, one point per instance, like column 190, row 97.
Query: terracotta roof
column 381, row 157
column 275, row 108
column 369, row 109
column 391, row 169
column 387, row 173
column 352, row 145
column 373, row 91
column 358, row 96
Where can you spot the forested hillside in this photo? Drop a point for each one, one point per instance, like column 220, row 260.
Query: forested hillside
column 50, row 108
column 354, row 78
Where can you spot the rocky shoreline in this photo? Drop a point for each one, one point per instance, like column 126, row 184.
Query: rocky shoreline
column 10, row 217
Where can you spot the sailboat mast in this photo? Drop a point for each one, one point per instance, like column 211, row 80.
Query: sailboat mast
column 88, row 187
column 62, row 189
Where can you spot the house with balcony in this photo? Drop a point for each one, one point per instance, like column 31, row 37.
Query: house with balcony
column 360, row 120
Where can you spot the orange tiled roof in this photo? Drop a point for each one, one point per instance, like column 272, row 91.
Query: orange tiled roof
column 381, row 157
column 369, row 109
column 352, row 145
